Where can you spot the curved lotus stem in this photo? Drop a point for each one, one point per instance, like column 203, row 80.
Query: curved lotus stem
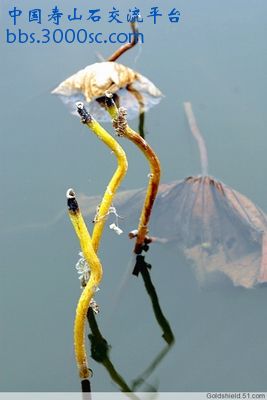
column 89, row 246
column 198, row 137
column 89, row 290
column 118, row 176
column 127, row 46
column 122, row 128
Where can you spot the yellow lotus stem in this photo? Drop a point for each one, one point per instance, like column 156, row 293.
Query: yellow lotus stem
column 90, row 288
column 122, row 128
column 118, row 176
column 89, row 246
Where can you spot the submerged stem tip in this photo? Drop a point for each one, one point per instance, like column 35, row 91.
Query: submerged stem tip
column 84, row 114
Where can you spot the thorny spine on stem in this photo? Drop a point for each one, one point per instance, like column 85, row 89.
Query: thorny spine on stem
column 120, row 122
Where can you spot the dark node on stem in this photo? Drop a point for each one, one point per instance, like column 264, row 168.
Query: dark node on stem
column 86, row 386
column 145, row 247
column 147, row 240
column 140, row 265
column 140, row 247
column 71, row 201
column 99, row 348
column 84, row 114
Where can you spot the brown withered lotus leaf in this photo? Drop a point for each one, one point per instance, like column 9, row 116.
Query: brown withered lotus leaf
column 133, row 90
column 218, row 228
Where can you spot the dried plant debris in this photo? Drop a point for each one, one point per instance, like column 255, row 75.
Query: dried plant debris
column 133, row 90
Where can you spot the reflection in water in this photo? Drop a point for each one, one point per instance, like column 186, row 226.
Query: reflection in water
column 100, row 352
column 100, row 347
column 143, row 267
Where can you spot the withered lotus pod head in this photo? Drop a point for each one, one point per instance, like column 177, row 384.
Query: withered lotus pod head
column 130, row 89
